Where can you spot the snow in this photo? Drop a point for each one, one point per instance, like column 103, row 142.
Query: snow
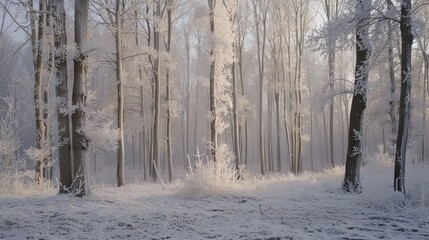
column 308, row 206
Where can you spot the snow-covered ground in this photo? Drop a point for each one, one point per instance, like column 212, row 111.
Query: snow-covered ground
column 309, row 206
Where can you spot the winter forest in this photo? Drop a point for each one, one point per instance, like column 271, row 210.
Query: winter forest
column 214, row 119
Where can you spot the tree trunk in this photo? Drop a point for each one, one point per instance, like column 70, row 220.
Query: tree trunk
column 213, row 134
column 405, row 99
column 261, row 61
column 392, row 103
column 37, row 39
column 60, row 41
column 157, row 70
column 169, row 151
column 243, row 147
column 197, row 91
column 121, row 147
column 236, row 125
column 425, row 86
column 80, row 186
column 277, row 102
column 331, row 60
column 359, row 101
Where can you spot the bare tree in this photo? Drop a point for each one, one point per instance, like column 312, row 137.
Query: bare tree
column 405, row 98
column 119, row 82
column 80, row 185
column 260, row 12
column 393, row 109
column 331, row 8
column 156, row 72
column 38, row 36
column 169, row 115
column 60, row 41
column 359, row 101
column 212, row 6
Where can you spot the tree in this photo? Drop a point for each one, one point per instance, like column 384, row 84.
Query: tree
column 60, row 59
column 169, row 115
column 359, row 100
column 331, row 9
column 213, row 134
column 80, row 185
column 299, row 11
column 392, row 103
column 155, row 162
column 38, row 39
column 405, row 98
column 121, row 146
column 260, row 11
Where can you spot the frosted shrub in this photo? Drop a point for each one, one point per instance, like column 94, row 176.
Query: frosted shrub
column 378, row 190
column 100, row 131
column 209, row 178
column 22, row 183
column 10, row 142
column 14, row 179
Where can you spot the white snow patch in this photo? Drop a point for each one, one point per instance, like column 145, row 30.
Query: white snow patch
column 308, row 206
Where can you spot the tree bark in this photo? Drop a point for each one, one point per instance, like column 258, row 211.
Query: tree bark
column 405, row 98
column 80, row 185
column 236, row 125
column 392, row 103
column 37, row 39
column 157, row 70
column 261, row 69
column 60, row 41
column 359, row 101
column 169, row 150
column 120, row 91
column 213, row 134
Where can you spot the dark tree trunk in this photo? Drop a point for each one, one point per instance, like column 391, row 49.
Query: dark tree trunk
column 213, row 134
column 121, row 146
column 359, row 101
column 392, row 103
column 168, row 47
column 60, row 41
column 405, row 99
column 80, row 143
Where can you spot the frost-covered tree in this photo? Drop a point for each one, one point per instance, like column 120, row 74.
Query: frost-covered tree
column 359, row 101
column 119, row 81
column 331, row 9
column 405, row 99
column 10, row 141
column 60, row 61
column 221, row 57
column 170, row 5
column 39, row 38
column 80, row 185
column 213, row 134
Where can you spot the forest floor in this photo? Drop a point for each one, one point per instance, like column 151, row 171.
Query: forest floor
column 309, row 206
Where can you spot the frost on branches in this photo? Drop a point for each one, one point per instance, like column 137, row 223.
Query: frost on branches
column 99, row 129
column 224, row 54
column 13, row 178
